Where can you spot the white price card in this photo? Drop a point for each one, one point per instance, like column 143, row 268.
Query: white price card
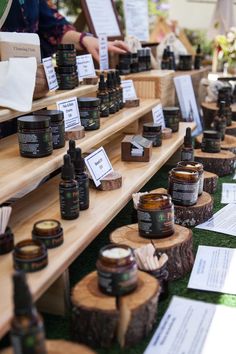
column 103, row 52
column 158, row 116
column 214, row 270
column 228, row 193
column 71, row 112
column 99, row 165
column 136, row 19
column 129, row 92
column 50, row 74
column 85, row 66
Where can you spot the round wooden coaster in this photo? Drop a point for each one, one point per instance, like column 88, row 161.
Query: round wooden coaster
column 221, row 163
column 178, row 247
column 132, row 103
column 60, row 347
column 112, row 181
column 166, row 133
column 90, row 80
column 229, row 143
column 101, row 320
column 210, row 182
column 231, row 130
column 76, row 133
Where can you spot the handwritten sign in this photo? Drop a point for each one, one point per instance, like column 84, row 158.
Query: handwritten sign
column 71, row 112
column 98, row 165
column 50, row 74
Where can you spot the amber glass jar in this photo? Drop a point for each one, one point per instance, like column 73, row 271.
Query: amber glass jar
column 171, row 116
column 155, row 215
column 152, row 131
column 6, row 241
column 197, row 166
column 117, row 270
column 183, row 186
column 30, row 256
column 48, row 232
column 211, row 141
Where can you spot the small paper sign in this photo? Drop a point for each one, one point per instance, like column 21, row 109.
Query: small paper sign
column 103, row 52
column 50, row 74
column 85, row 66
column 98, row 165
column 157, row 115
column 129, row 92
column 71, row 112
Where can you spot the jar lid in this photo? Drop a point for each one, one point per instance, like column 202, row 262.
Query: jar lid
column 185, row 56
column 47, row 227
column 33, row 122
column 125, row 56
column 88, row 102
column 55, row 115
column 151, row 127
column 72, row 69
column 65, row 47
column 185, row 170
column 211, row 134
column 29, row 248
column 171, row 109
column 117, row 254
column 134, row 55
column 190, row 164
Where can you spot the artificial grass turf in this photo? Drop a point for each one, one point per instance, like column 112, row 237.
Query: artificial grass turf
column 59, row 327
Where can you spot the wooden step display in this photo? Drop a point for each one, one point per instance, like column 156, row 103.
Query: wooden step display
column 209, row 111
column 101, row 320
column 60, row 347
column 178, row 247
column 229, row 143
column 210, row 182
column 221, row 163
column 194, row 215
column 111, row 182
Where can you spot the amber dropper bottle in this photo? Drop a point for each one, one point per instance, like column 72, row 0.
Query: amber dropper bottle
column 220, row 120
column 27, row 329
column 82, row 179
column 187, row 151
column 69, row 191
column 118, row 81
column 71, row 150
column 112, row 94
column 117, row 94
column 103, row 95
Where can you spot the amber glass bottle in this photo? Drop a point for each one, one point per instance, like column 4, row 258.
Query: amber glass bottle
column 103, row 95
column 220, row 120
column 187, row 151
column 27, row 330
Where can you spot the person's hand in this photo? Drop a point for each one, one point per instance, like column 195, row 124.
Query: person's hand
column 92, row 46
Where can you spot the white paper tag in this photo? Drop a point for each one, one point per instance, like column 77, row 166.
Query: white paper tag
column 85, row 66
column 228, row 193
column 50, row 74
column 103, row 52
column 129, row 92
column 158, row 116
column 98, row 165
column 71, row 112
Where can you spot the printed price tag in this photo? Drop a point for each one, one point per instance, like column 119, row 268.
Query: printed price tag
column 71, row 112
column 85, row 66
column 103, row 52
column 50, row 74
column 129, row 92
column 157, row 115
column 98, row 165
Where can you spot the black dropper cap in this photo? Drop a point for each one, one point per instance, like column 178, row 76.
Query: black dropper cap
column 165, row 54
column 188, row 137
column 118, row 80
column 198, row 51
column 67, row 170
column 23, row 304
column 109, row 81
column 79, row 163
column 113, row 76
column 102, row 84
column 222, row 106
column 71, row 150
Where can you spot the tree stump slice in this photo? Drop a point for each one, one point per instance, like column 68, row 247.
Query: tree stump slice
column 231, row 130
column 221, row 163
column 192, row 215
column 229, row 143
column 60, row 347
column 178, row 247
column 112, row 181
column 101, row 320
column 210, row 182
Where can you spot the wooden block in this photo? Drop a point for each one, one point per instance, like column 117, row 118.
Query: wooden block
column 166, row 133
column 126, row 147
column 132, row 103
column 100, row 319
column 178, row 247
column 229, row 143
column 90, row 80
column 210, row 182
column 56, row 300
column 221, row 163
column 75, row 133
column 60, row 347
column 111, row 182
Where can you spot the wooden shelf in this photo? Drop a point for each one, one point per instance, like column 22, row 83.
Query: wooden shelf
column 50, row 99
column 17, row 173
column 80, row 232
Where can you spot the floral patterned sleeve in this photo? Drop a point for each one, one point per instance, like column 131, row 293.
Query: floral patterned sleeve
column 52, row 25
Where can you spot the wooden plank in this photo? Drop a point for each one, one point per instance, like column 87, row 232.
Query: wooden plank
column 80, row 232
column 17, row 173
column 50, row 99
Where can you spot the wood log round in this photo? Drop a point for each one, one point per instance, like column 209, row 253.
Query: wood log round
column 41, row 84
column 221, row 163
column 229, row 143
column 75, row 133
column 132, row 103
column 60, row 347
column 101, row 320
column 178, row 247
column 231, row 130
column 90, row 80
column 210, row 182
column 209, row 111
column 112, row 181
